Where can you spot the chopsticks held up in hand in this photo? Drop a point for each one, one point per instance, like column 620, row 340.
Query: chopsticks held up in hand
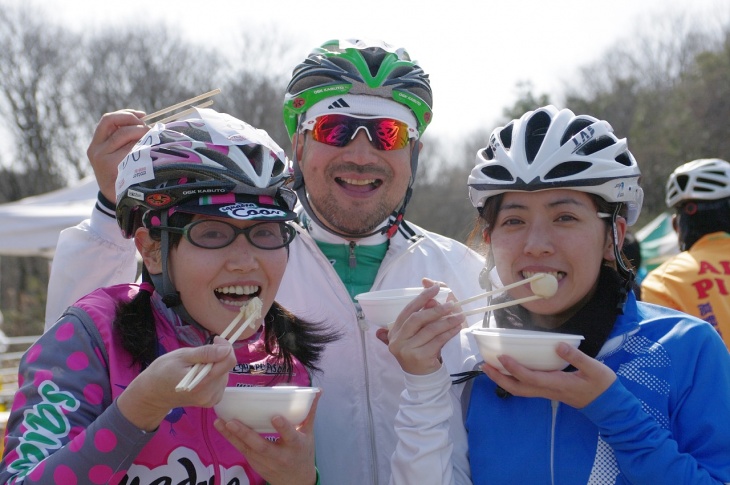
column 252, row 312
column 179, row 105
column 543, row 285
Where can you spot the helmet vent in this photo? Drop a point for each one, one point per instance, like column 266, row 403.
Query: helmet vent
column 254, row 155
column 343, row 64
column 313, row 81
column 535, row 132
column 597, row 145
column 497, row 172
column 399, row 72
column 711, row 182
column 374, row 57
column 575, row 127
column 624, row 159
column 505, row 136
column 172, row 153
column 487, row 153
column 217, row 157
column 194, row 133
column 567, row 169
column 682, row 181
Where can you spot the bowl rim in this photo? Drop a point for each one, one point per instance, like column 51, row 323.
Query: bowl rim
column 273, row 389
column 524, row 334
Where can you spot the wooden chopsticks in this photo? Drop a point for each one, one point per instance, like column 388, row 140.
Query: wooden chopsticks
column 182, row 104
column 505, row 304
column 500, row 290
column 252, row 312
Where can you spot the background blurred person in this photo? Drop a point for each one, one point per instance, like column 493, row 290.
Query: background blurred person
column 697, row 280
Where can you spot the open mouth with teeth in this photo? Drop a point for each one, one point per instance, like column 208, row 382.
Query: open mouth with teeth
column 237, row 295
column 359, row 185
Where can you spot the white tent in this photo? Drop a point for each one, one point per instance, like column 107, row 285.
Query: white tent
column 30, row 226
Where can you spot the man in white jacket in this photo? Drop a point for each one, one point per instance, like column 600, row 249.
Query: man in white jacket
column 355, row 112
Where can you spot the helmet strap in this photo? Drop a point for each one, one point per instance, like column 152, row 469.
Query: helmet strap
column 170, row 295
column 627, row 274
column 298, row 177
column 414, row 161
column 393, row 227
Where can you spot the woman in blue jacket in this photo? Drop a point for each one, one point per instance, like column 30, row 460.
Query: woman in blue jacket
column 646, row 398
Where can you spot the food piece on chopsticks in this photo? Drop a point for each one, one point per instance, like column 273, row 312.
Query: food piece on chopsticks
column 546, row 286
column 543, row 285
column 251, row 311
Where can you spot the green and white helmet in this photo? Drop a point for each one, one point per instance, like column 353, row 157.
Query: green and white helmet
column 354, row 66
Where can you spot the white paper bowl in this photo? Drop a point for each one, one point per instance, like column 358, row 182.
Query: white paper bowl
column 535, row 350
column 255, row 406
column 382, row 307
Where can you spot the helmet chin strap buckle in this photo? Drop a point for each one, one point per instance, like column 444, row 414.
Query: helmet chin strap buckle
column 172, row 300
column 399, row 215
column 394, row 227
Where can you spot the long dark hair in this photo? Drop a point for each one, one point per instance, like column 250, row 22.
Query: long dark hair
column 286, row 336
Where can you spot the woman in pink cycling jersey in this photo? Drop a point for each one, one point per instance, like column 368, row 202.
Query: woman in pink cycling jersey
column 97, row 401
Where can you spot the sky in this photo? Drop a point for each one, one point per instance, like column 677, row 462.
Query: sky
column 475, row 51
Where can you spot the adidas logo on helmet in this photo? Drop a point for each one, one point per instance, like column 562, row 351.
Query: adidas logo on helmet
column 339, row 103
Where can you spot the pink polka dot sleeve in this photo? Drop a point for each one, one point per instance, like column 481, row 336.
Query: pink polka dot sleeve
column 63, row 413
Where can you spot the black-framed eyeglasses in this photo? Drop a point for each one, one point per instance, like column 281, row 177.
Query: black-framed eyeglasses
column 214, row 234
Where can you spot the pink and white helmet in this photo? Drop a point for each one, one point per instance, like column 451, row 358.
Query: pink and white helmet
column 550, row 149
column 209, row 163
column 704, row 179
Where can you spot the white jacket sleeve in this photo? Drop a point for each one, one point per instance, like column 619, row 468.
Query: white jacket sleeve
column 432, row 445
column 88, row 256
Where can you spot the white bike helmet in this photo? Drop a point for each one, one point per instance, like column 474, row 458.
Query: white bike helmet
column 550, row 149
column 704, row 179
